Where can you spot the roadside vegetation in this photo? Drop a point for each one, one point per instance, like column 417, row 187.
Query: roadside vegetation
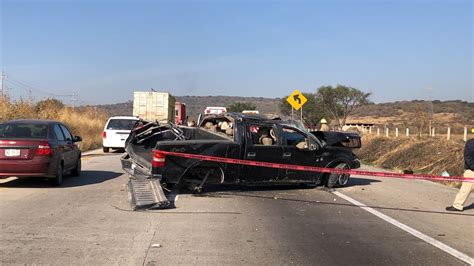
column 420, row 155
column 87, row 123
column 334, row 104
column 241, row 106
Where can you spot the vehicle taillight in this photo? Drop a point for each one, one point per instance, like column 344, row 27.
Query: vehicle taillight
column 104, row 135
column 158, row 159
column 44, row 149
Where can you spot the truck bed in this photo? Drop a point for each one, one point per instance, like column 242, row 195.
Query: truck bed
column 142, row 141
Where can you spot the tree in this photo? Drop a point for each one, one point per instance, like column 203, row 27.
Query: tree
column 49, row 108
column 421, row 118
column 340, row 101
column 240, row 106
column 4, row 106
column 312, row 111
column 49, row 103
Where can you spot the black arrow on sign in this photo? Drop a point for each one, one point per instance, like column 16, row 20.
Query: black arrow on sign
column 297, row 98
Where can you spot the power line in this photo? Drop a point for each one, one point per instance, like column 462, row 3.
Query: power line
column 22, row 84
column 36, row 88
column 74, row 97
column 29, row 88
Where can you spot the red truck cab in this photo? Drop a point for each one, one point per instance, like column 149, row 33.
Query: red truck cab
column 180, row 113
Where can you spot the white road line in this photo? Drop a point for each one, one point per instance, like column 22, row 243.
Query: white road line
column 410, row 230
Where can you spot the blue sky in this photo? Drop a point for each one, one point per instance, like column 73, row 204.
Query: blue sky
column 105, row 50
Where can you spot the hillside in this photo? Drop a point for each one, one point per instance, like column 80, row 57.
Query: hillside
column 402, row 113
column 197, row 104
column 417, row 114
column 425, row 155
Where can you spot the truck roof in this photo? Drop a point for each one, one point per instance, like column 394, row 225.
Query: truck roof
column 231, row 117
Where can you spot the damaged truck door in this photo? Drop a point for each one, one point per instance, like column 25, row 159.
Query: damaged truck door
column 300, row 147
column 261, row 146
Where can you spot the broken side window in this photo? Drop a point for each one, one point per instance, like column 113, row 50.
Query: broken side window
column 294, row 138
column 262, row 135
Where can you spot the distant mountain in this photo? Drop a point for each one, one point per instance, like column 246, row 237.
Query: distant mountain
column 444, row 112
column 462, row 108
column 197, row 104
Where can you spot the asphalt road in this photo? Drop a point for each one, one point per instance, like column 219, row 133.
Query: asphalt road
column 88, row 221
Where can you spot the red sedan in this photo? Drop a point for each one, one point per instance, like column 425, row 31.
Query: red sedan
column 38, row 148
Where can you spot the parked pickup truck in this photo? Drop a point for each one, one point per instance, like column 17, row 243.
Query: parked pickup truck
column 237, row 136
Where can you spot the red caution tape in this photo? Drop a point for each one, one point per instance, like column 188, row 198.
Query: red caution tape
column 317, row 169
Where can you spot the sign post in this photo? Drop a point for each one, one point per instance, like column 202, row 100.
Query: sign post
column 297, row 100
column 301, row 114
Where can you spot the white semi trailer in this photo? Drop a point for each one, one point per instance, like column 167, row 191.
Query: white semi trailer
column 154, row 106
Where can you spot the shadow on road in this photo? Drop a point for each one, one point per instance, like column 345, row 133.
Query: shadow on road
column 86, row 178
column 89, row 178
column 354, row 181
column 317, row 202
column 468, row 207
column 359, row 181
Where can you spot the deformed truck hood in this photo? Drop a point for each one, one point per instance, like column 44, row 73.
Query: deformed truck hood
column 335, row 138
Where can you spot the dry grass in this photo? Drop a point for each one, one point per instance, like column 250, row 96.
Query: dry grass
column 87, row 123
column 428, row 155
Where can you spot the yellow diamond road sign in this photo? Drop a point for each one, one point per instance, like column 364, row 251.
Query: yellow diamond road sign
column 296, row 99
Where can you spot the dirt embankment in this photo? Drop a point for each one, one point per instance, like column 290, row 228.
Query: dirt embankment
column 430, row 155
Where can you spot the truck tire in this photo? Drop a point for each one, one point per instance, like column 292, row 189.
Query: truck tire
column 338, row 180
column 196, row 179
column 105, row 149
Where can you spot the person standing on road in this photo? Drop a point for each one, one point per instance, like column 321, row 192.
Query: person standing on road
column 466, row 187
column 324, row 125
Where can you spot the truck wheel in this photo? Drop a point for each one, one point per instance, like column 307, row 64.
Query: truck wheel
column 58, row 179
column 338, row 180
column 198, row 190
column 105, row 149
column 343, row 179
column 196, row 179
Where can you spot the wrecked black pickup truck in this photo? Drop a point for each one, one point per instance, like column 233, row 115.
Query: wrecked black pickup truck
column 235, row 136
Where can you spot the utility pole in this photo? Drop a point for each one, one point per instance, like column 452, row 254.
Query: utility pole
column 430, row 109
column 2, row 78
column 74, row 99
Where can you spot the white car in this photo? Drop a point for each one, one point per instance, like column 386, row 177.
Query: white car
column 116, row 131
